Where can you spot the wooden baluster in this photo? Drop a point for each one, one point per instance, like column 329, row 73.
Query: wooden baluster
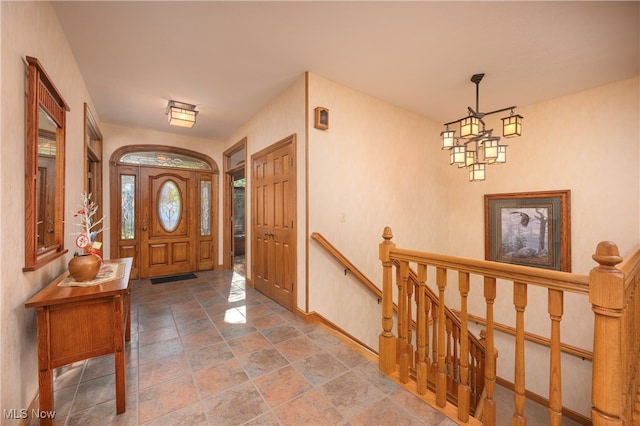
column 448, row 360
column 441, row 376
column 387, row 341
column 409, row 349
column 555, row 368
column 421, row 332
column 434, row 340
column 456, row 360
column 463, row 387
column 427, row 306
column 520, row 303
column 403, row 323
column 490, row 364
column 606, row 294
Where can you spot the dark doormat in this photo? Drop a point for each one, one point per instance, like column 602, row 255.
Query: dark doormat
column 172, row 278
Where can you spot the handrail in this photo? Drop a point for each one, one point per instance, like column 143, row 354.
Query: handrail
column 556, row 280
column 347, row 264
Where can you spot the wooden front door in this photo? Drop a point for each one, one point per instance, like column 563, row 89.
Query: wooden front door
column 168, row 237
column 274, row 213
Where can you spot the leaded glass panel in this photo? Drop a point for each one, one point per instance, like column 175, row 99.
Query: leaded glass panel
column 169, row 206
column 205, row 207
column 164, row 159
column 127, row 201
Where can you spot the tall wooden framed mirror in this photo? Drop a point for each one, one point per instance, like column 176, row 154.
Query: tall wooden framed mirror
column 44, row 168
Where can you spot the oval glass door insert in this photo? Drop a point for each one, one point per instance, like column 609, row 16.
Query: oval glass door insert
column 169, row 206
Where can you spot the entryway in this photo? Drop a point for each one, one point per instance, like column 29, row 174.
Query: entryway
column 163, row 210
column 234, row 229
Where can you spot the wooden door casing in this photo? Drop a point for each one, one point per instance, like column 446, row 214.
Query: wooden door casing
column 274, row 212
column 166, row 252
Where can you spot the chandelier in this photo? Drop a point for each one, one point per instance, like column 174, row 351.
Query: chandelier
column 476, row 147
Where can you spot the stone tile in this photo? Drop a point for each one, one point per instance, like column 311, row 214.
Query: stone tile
column 310, row 409
column 166, row 397
column 281, row 333
column 209, row 356
column 320, row 368
column 263, row 361
column 187, row 416
column 94, row 392
column 417, row 407
column 350, row 394
column 157, row 335
column 369, row 371
column 162, row 370
column 219, row 378
column 345, row 354
column 200, row 339
column 282, row 385
column 231, row 331
column 246, row 344
column 235, row 406
column 298, row 348
column 160, row 350
column 194, row 326
column 105, row 413
column 268, row 321
column 385, row 412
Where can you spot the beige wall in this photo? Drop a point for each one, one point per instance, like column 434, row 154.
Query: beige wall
column 372, row 168
column 20, row 38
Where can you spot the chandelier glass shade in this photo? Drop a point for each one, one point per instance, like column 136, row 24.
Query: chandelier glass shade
column 476, row 146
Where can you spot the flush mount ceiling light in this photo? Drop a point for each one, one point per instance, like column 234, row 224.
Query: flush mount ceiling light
column 181, row 114
column 476, row 146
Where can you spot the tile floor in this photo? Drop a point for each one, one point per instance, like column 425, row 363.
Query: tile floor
column 209, row 351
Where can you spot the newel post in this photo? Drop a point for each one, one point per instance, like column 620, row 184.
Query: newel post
column 387, row 341
column 606, row 294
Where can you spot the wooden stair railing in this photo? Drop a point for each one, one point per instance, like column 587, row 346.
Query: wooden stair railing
column 456, row 366
column 556, row 282
column 613, row 288
column 473, row 368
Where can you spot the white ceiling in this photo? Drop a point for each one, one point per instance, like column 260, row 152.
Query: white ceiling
column 231, row 58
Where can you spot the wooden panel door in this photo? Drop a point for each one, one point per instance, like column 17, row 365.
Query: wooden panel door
column 274, row 195
column 168, row 237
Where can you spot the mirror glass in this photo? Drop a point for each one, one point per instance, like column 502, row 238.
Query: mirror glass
column 46, row 181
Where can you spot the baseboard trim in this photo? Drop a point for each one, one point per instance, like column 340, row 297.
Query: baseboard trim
column 337, row 331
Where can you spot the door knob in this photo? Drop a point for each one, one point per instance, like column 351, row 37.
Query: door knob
column 144, row 228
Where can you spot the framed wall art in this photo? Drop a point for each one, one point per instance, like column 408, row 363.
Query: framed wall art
column 529, row 228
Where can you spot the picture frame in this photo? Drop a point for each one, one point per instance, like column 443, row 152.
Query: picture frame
column 529, row 228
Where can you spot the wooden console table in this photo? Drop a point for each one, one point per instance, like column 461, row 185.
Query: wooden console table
column 76, row 323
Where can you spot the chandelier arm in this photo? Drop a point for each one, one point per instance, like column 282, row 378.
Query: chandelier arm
column 500, row 110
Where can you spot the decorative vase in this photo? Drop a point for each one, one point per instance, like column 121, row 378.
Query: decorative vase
column 84, row 267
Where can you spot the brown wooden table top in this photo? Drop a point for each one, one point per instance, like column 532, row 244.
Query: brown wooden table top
column 53, row 294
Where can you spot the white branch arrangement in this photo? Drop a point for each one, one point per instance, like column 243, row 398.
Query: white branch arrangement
column 89, row 229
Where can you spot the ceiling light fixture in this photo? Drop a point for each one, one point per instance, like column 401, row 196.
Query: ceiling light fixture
column 181, row 114
column 476, row 147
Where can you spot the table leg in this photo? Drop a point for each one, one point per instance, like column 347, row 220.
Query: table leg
column 45, row 375
column 119, row 354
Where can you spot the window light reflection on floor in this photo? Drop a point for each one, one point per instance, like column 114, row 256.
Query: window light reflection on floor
column 236, row 315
